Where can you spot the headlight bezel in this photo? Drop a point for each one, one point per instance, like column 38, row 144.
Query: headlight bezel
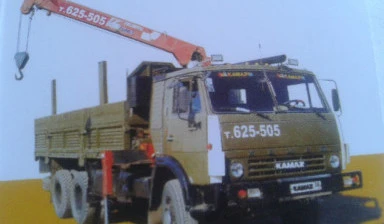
column 236, row 170
column 334, row 161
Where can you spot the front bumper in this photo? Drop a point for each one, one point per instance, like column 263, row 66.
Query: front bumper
column 269, row 194
column 293, row 188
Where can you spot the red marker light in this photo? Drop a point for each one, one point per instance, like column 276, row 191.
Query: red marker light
column 356, row 180
column 242, row 194
column 209, row 146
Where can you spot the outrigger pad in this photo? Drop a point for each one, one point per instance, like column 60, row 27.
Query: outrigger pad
column 21, row 59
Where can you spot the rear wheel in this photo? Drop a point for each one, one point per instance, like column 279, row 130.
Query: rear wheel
column 173, row 205
column 82, row 210
column 60, row 193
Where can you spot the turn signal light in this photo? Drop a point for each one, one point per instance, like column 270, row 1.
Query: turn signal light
column 347, row 181
column 351, row 181
column 242, row 194
column 356, row 180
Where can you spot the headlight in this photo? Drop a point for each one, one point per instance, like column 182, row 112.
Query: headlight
column 237, row 170
column 334, row 161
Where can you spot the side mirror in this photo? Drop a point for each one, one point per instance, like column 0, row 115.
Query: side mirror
column 335, row 100
column 183, row 99
column 186, row 103
column 191, row 118
column 192, row 124
column 194, row 107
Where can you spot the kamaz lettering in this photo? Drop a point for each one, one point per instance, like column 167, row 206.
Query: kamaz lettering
column 290, row 165
column 303, row 187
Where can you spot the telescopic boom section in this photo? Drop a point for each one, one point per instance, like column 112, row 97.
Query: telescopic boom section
column 183, row 51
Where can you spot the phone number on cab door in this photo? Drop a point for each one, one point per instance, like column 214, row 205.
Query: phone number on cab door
column 252, row 131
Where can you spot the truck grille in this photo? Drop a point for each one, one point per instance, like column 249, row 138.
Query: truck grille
column 266, row 167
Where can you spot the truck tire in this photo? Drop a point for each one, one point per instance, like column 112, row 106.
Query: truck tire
column 83, row 212
column 173, row 205
column 60, row 191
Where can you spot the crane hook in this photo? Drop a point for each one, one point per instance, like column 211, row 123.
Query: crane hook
column 18, row 78
column 21, row 58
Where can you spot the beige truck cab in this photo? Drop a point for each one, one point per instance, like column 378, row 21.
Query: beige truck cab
column 249, row 135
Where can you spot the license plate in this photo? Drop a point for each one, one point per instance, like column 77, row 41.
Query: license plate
column 305, row 187
column 254, row 193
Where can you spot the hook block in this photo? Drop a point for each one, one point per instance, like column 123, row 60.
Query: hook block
column 21, row 59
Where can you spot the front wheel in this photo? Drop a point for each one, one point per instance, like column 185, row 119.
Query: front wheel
column 173, row 205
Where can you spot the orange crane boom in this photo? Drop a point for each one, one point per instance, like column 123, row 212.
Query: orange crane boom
column 184, row 52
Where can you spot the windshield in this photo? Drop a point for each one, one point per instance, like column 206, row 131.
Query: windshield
column 258, row 91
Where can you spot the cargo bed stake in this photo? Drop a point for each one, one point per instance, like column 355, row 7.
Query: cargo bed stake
column 54, row 102
column 103, row 85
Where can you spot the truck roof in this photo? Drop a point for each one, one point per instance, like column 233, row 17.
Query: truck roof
column 237, row 67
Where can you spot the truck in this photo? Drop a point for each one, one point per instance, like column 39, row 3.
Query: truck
column 189, row 144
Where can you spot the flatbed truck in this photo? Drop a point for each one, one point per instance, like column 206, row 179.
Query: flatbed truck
column 192, row 143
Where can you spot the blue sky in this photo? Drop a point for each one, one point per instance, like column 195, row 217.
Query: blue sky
column 332, row 39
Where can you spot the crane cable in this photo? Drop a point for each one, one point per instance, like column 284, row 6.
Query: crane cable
column 18, row 33
column 29, row 30
column 29, row 27
column 22, row 58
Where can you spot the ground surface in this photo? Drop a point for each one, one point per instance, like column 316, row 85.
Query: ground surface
column 26, row 202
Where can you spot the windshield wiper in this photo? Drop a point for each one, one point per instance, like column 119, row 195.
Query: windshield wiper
column 263, row 115
column 271, row 89
column 237, row 109
column 313, row 110
column 244, row 110
column 318, row 113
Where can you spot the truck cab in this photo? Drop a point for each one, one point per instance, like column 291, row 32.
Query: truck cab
column 246, row 135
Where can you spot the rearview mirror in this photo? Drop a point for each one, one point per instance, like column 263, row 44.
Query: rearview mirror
column 335, row 100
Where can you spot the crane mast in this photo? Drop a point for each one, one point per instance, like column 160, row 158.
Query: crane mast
column 183, row 51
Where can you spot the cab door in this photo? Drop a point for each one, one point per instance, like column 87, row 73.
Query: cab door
column 185, row 126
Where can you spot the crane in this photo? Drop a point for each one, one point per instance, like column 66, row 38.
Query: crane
column 183, row 51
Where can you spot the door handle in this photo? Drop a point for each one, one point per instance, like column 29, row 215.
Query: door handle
column 170, row 138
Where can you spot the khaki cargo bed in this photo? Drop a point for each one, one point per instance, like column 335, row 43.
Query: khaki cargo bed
column 83, row 133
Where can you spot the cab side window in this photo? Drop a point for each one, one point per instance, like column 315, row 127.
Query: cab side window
column 186, row 98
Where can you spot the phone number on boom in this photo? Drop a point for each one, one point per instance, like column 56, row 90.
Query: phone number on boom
column 83, row 14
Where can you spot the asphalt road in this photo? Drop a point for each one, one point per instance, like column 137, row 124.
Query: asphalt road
column 337, row 209
column 25, row 201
